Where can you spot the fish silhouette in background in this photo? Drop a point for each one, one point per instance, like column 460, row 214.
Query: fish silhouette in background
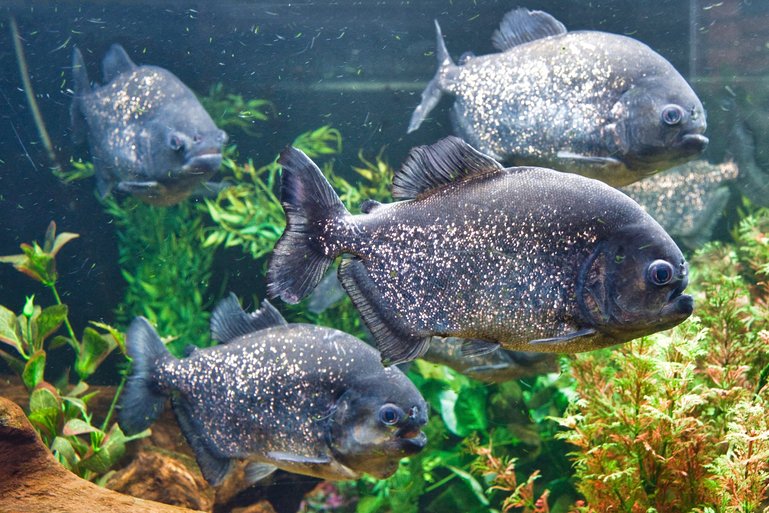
column 302, row 398
column 587, row 102
column 687, row 200
column 528, row 258
column 148, row 134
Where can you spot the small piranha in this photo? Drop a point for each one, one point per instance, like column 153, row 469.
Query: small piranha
column 528, row 258
column 687, row 200
column 148, row 134
column 602, row 105
column 306, row 399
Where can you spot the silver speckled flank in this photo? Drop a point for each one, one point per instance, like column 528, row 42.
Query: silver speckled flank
column 494, row 258
column 686, row 199
column 583, row 102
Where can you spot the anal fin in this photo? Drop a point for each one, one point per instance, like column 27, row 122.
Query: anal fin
column 255, row 472
column 396, row 342
column 213, row 466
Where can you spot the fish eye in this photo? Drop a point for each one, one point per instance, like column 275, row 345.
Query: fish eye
column 389, row 414
column 672, row 114
column 661, row 272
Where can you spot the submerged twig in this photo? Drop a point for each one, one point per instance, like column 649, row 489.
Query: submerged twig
column 24, row 72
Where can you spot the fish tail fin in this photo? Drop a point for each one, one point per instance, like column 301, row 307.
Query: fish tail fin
column 142, row 399
column 433, row 92
column 303, row 254
column 81, row 86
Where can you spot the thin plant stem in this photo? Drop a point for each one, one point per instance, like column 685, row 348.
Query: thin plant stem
column 113, row 404
column 66, row 317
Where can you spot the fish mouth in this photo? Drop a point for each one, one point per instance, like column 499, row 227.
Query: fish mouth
column 679, row 305
column 411, row 440
column 202, row 163
column 694, row 143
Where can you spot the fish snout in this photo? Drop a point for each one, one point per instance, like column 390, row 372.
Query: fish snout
column 679, row 307
column 412, row 441
column 203, row 162
column 694, row 143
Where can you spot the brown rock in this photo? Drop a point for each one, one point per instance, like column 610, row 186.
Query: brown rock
column 164, row 477
column 32, row 481
column 259, row 507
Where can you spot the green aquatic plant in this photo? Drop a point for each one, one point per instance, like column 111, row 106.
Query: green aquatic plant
column 231, row 111
column 249, row 214
column 676, row 421
column 60, row 413
column 166, row 268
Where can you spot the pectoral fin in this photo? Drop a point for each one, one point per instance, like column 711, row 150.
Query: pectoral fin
column 298, row 458
column 477, row 347
column 590, row 160
column 564, row 338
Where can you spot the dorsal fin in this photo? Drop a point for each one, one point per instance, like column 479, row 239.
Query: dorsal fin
column 429, row 167
column 522, row 26
column 116, row 61
column 229, row 321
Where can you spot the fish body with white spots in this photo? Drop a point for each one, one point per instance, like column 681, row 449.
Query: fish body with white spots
column 527, row 258
column 592, row 103
column 302, row 398
column 147, row 132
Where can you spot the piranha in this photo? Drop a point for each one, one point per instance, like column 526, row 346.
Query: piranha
column 592, row 103
column 528, row 258
column 687, row 200
column 148, row 134
column 306, row 399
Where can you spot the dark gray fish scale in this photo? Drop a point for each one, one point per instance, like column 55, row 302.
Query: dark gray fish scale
column 585, row 102
column 528, row 258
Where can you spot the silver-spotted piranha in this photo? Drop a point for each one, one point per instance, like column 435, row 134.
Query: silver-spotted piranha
column 302, row 398
column 528, row 258
column 592, row 103
column 148, row 134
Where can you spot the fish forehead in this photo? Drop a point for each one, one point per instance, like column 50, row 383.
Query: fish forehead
column 138, row 94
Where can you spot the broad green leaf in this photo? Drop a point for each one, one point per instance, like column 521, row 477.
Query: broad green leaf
column 101, row 459
column 33, row 371
column 75, row 427
column 116, row 334
column 59, row 341
column 44, row 396
column 9, row 329
column 473, row 483
column 95, row 347
column 64, row 452
column 470, row 409
column 50, row 319
column 46, row 420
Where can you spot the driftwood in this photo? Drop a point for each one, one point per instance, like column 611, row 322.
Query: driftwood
column 32, row 481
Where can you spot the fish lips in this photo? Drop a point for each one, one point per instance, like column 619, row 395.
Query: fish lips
column 693, row 144
column 203, row 163
column 679, row 307
column 411, row 440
